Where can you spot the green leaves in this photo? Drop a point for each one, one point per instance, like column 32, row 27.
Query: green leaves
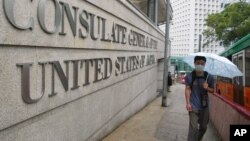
column 230, row 25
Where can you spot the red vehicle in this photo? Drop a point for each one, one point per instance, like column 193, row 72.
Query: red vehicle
column 183, row 79
column 182, row 76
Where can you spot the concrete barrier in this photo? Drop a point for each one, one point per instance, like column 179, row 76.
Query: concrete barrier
column 224, row 113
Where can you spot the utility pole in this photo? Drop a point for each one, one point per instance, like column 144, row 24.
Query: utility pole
column 200, row 37
column 165, row 73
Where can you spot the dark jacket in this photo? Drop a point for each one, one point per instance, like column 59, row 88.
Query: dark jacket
column 169, row 80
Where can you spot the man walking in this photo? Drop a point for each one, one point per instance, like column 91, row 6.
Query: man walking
column 198, row 84
column 169, row 81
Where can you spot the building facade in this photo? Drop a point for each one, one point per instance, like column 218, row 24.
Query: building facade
column 72, row 70
column 188, row 25
column 233, row 1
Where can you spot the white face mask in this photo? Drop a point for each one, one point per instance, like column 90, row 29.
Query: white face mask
column 199, row 67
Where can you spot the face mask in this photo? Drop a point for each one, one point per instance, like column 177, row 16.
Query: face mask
column 199, row 67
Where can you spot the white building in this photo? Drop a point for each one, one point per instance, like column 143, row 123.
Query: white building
column 233, row 1
column 188, row 24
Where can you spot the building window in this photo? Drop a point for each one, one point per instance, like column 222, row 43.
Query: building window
column 247, row 67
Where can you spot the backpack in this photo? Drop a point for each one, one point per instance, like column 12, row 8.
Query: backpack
column 204, row 97
column 194, row 77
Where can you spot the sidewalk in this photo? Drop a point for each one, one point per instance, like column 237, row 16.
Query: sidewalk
column 155, row 123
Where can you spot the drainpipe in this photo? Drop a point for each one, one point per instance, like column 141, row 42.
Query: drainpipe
column 148, row 8
column 156, row 12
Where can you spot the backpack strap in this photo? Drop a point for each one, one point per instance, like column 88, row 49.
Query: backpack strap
column 193, row 78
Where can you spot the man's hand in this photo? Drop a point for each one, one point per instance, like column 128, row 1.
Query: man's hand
column 205, row 85
column 188, row 107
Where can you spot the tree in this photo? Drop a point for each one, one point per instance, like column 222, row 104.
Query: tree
column 229, row 25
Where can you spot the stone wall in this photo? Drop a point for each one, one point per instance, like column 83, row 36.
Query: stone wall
column 77, row 77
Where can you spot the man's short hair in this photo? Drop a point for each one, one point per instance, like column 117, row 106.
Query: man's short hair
column 200, row 58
